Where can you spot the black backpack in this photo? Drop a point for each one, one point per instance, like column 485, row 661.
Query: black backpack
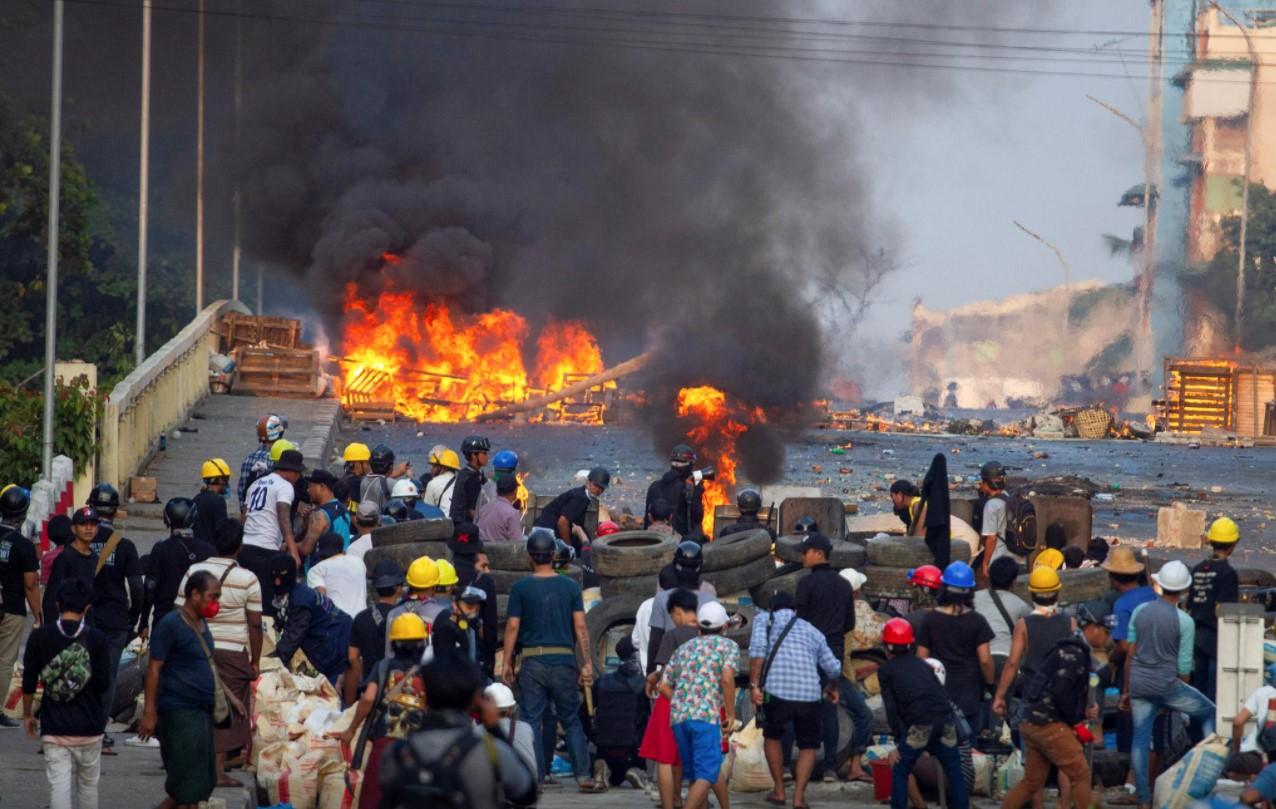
column 414, row 774
column 1021, row 524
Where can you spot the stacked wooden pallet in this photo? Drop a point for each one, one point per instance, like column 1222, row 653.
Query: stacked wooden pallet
column 277, row 371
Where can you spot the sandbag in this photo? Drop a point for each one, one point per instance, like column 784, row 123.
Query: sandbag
column 1194, row 776
column 296, row 781
column 749, row 771
column 867, row 633
column 333, row 793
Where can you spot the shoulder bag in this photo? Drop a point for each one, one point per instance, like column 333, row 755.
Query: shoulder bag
column 760, row 712
column 222, row 701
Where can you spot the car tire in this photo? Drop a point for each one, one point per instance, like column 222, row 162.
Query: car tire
column 844, row 555
column 645, row 586
column 507, row 555
column 744, row 547
column 606, row 614
column 402, row 533
column 743, row 578
column 632, row 553
column 887, row 582
column 904, row 552
column 505, row 578
column 785, row 580
column 404, row 555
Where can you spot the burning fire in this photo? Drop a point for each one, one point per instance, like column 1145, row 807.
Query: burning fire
column 716, row 426
column 432, row 364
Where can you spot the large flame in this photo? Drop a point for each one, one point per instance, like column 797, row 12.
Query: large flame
column 432, row 364
column 715, row 426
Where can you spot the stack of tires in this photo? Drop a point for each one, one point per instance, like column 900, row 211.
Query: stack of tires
column 405, row 542
column 889, row 558
column 509, row 562
column 789, row 550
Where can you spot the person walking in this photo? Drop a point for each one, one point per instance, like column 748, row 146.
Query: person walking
column 1214, row 582
column 270, row 428
column 268, row 522
column 826, row 601
column 920, row 715
column 339, row 576
column 1161, row 640
column 790, row 666
column 70, row 658
column 699, row 683
column 688, row 561
column 168, row 561
column 368, row 631
column 545, row 611
column 237, row 637
column 658, row 744
column 210, row 502
column 181, row 692
column 308, row 621
column 19, row 583
column 957, row 636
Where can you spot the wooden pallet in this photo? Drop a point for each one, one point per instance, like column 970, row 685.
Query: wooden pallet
column 238, row 330
column 292, row 372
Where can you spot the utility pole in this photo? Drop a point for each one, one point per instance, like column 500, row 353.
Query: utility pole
column 239, row 92
column 1144, row 346
column 51, row 283
column 1067, row 289
column 143, row 184
column 199, row 173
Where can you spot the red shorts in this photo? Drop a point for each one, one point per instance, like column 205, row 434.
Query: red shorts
column 658, row 744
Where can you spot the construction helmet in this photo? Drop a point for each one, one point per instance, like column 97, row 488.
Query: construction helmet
column 959, row 575
column 688, row 557
column 505, row 461
column 179, row 513
column 1050, row 557
column 1044, row 579
column 407, row 627
column 927, row 576
column 475, row 443
column 405, row 489
column 897, row 632
column 447, row 573
column 806, row 525
column 600, row 477
column 104, row 499
column 214, row 469
column 14, row 501
column 606, row 528
column 436, row 452
column 382, row 459
column 682, row 455
column 356, row 452
column 992, row 472
column 748, row 501
column 271, row 427
column 541, row 545
column 448, row 459
column 279, row 447
column 1224, row 531
column 423, row 574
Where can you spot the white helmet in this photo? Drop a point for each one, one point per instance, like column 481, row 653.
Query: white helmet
column 404, row 489
column 501, row 694
column 941, row 673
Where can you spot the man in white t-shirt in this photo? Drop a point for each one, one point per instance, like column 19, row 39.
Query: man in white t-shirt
column 339, row 576
column 992, row 485
column 366, row 517
column 1247, row 758
column 268, row 522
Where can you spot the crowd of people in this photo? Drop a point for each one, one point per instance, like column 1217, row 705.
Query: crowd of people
column 437, row 685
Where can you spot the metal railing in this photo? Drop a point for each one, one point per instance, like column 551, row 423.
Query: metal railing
column 158, row 395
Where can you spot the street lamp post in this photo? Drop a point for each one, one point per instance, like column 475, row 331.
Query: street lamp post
column 51, row 294
column 143, row 183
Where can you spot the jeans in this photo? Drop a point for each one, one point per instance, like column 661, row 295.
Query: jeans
column 1055, row 744
column 940, row 741
column 73, row 769
column 850, row 699
column 540, row 683
column 1181, row 697
column 116, row 640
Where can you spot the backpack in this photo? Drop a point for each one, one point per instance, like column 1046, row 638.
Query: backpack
column 1045, row 677
column 65, row 676
column 426, row 769
column 1021, row 524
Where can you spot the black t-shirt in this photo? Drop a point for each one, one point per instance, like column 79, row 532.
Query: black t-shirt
column 367, row 634
column 68, row 564
column 465, row 493
column 447, row 637
column 17, row 557
column 166, row 565
column 826, row 601
column 688, row 512
column 1214, row 582
column 84, row 715
column 110, row 588
column 953, row 640
column 210, row 515
column 571, row 504
column 912, row 695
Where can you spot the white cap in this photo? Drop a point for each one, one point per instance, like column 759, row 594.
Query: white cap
column 1173, row 577
column 855, row 577
column 712, row 615
column 501, row 694
column 404, row 488
column 940, row 671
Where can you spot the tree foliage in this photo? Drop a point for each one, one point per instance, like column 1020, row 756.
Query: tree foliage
column 76, row 409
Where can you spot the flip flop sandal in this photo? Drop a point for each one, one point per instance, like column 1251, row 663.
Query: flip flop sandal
column 774, row 801
column 593, row 787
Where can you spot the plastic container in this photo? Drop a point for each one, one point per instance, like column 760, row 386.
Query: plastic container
column 882, row 777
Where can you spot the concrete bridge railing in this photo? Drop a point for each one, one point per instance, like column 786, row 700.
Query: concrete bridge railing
column 158, row 395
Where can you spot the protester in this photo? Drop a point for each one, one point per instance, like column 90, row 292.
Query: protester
column 1161, row 639
column 658, row 743
column 329, row 516
column 367, row 517
column 19, row 583
column 790, row 666
column 498, row 519
column 1000, row 607
column 1263, row 788
column 958, row 637
column 667, row 579
column 621, row 710
column 308, row 621
column 339, row 576
column 514, row 730
column 1214, row 582
column 700, row 685
column 920, row 716
column 906, row 502
column 934, row 521
column 237, row 636
column 682, row 489
column 438, row 493
column 1074, row 558
column 472, row 570
column 688, row 559
column 926, row 582
column 470, row 479
column 660, row 518
column 456, row 632
column 268, row 522
column 405, row 489
column 168, row 561
column 1247, row 758
column 69, row 658
column 376, row 484
column 180, row 695
column 441, row 601
column 994, row 519
column 749, row 501
column 210, row 502
column 270, row 428
column 368, row 631
column 59, row 530
column 422, row 580
column 565, row 514
column 77, row 559
column 545, row 611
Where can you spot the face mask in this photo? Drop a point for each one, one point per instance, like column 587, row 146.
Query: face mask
column 211, row 609
column 591, row 494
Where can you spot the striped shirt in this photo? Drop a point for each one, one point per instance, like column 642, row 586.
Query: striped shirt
column 241, row 594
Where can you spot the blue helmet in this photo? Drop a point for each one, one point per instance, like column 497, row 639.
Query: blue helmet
column 505, row 461
column 959, row 574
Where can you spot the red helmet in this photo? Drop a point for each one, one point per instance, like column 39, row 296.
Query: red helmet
column 607, row 527
column 897, row 632
column 927, row 576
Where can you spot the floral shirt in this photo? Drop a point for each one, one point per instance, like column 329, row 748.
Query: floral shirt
column 695, row 672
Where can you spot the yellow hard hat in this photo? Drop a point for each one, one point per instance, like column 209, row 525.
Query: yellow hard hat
column 447, row 573
column 1044, row 579
column 448, row 459
column 423, row 574
column 1050, row 557
column 214, row 468
column 277, row 448
column 407, row 626
column 1224, row 531
column 356, row 452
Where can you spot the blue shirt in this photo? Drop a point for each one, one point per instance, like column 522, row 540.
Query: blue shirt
column 427, row 511
column 795, row 671
column 262, row 453
column 186, row 681
column 544, row 606
column 1124, row 609
column 1265, row 783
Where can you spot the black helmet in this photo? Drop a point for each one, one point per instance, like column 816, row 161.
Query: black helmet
column 179, row 514
column 806, row 525
column 14, row 502
column 599, row 477
column 682, row 455
column 104, row 499
column 382, row 460
column 564, row 554
column 475, row 443
column 397, row 509
column 688, row 558
column 542, row 545
column 749, row 501
column 992, row 472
